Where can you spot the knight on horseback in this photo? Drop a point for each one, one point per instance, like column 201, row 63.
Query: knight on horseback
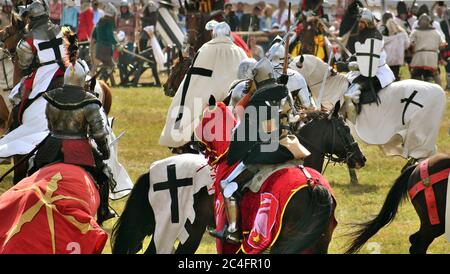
column 74, row 118
column 294, row 81
column 369, row 72
column 39, row 56
column 274, row 144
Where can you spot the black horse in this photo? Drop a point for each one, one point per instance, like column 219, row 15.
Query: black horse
column 138, row 221
column 421, row 240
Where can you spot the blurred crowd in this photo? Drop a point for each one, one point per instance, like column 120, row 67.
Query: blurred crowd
column 413, row 35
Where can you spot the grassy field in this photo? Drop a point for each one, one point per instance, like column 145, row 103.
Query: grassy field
column 141, row 113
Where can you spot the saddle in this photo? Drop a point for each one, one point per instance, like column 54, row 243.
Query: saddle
column 426, row 185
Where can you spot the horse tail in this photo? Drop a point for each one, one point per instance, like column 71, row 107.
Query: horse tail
column 308, row 229
column 107, row 96
column 396, row 195
column 137, row 220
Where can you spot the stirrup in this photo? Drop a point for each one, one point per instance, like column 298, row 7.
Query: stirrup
column 234, row 237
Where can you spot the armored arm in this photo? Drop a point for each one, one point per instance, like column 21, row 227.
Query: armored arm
column 97, row 128
column 25, row 56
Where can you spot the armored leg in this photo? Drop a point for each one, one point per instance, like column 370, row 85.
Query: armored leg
column 230, row 232
column 351, row 98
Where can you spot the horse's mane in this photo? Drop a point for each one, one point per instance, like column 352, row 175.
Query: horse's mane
column 309, row 115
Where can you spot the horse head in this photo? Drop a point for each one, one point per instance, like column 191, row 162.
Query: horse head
column 336, row 140
column 11, row 34
column 215, row 130
column 175, row 78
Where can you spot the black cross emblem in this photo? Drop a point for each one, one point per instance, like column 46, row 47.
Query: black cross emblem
column 52, row 44
column 192, row 71
column 408, row 101
column 371, row 55
column 172, row 184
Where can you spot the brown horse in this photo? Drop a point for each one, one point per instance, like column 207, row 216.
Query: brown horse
column 10, row 37
column 411, row 182
column 196, row 37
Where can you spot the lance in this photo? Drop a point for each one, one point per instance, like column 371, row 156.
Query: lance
column 117, row 138
column 286, row 49
column 135, row 55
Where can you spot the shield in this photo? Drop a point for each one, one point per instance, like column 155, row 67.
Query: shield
column 368, row 56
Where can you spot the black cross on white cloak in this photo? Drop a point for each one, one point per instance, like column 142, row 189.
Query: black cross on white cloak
column 54, row 44
column 408, row 101
column 191, row 71
column 172, row 184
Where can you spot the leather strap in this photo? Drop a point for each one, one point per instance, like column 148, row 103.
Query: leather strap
column 426, row 184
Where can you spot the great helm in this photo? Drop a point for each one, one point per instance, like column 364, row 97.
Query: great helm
column 263, row 71
column 75, row 75
column 245, row 68
column 276, row 54
column 222, row 29
column 35, row 9
column 367, row 16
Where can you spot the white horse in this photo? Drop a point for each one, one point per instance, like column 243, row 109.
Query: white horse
column 405, row 123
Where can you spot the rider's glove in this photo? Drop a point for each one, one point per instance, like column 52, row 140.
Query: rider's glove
column 283, row 79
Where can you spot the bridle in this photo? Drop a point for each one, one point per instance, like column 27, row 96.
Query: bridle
column 339, row 130
column 195, row 31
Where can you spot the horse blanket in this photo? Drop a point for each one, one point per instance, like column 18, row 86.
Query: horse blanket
column 262, row 212
column 52, row 211
column 405, row 122
column 409, row 109
column 212, row 71
column 173, row 183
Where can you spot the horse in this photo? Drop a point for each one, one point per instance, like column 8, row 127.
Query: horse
column 196, row 36
column 138, row 218
column 405, row 122
column 430, row 177
column 60, row 201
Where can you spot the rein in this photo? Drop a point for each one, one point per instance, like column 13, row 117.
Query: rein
column 337, row 130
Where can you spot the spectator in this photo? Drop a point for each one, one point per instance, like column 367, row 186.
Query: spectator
column 239, row 11
column 404, row 19
column 126, row 22
column 70, row 16
column 426, row 42
column 424, row 10
column 266, row 20
column 98, row 13
column 55, row 11
column 255, row 18
column 230, row 17
column 281, row 15
column 85, row 21
column 256, row 50
column 103, row 36
column 149, row 15
column 396, row 41
column 438, row 10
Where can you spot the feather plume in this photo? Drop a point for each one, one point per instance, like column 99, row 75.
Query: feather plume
column 71, row 46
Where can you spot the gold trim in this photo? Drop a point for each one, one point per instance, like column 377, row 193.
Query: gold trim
column 48, row 201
